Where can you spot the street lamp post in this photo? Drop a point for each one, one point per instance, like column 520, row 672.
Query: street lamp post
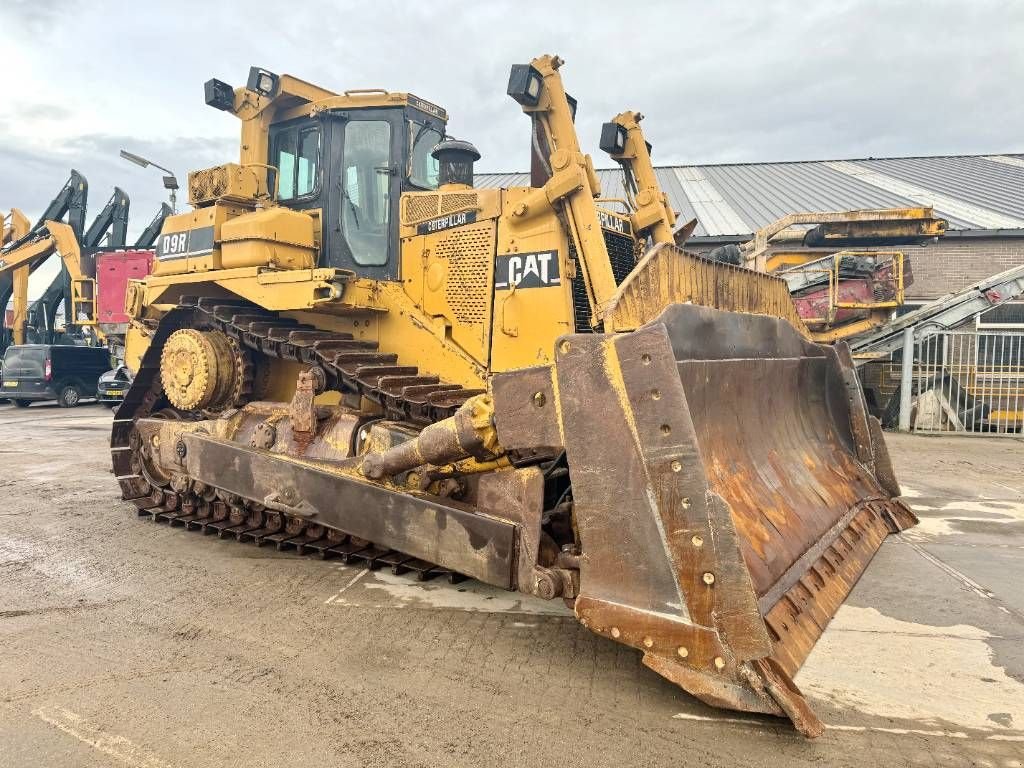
column 170, row 181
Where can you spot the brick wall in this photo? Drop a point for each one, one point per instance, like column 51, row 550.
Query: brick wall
column 955, row 262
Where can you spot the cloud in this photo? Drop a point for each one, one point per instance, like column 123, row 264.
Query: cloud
column 35, row 16
column 728, row 81
column 44, row 112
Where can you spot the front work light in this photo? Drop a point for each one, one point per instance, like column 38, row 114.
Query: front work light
column 263, row 81
column 524, row 85
column 613, row 139
column 219, row 95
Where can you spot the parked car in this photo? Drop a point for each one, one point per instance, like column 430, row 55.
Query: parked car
column 113, row 385
column 67, row 374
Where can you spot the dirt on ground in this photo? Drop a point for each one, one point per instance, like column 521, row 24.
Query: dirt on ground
column 125, row 642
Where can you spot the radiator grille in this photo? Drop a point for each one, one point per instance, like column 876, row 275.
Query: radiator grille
column 580, row 304
column 418, row 208
column 621, row 252
column 469, row 253
column 457, row 201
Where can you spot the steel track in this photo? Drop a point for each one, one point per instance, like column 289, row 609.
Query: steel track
column 350, row 366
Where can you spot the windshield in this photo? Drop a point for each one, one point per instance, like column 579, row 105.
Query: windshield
column 118, row 374
column 366, row 198
column 423, row 169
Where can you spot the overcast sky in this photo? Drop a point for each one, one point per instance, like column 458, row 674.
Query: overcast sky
column 718, row 81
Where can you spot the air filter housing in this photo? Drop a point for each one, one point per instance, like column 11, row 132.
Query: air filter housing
column 456, row 159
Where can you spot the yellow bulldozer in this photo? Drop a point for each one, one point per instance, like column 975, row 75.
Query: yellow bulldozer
column 347, row 349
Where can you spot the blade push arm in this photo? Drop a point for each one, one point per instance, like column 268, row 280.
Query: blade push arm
column 624, row 141
column 572, row 184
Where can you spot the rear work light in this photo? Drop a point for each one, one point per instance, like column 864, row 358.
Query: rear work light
column 48, row 370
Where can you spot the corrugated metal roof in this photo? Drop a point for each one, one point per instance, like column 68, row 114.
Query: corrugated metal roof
column 974, row 192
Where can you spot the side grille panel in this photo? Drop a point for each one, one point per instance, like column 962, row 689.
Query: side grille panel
column 468, row 251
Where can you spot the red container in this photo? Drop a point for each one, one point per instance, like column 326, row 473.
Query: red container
column 113, row 271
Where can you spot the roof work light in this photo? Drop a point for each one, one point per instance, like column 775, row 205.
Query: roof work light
column 524, row 84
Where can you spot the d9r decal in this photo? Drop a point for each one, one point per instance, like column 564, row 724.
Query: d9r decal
column 527, row 270
column 179, row 245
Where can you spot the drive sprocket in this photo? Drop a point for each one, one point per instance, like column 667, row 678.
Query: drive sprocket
column 199, row 369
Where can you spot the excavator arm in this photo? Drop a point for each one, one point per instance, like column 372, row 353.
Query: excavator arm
column 16, row 226
column 53, row 237
column 152, row 230
column 886, row 226
column 69, row 202
column 112, row 222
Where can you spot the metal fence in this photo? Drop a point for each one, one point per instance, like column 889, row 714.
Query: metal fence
column 964, row 381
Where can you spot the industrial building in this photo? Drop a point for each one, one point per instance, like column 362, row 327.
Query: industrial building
column 982, row 197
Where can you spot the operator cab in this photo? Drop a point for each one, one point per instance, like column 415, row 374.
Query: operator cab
column 353, row 163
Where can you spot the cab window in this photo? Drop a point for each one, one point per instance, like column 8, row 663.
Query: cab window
column 297, row 156
column 366, row 190
column 423, row 169
column 306, row 163
column 25, row 361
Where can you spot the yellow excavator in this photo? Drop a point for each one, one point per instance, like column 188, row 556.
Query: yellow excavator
column 52, row 237
column 347, row 349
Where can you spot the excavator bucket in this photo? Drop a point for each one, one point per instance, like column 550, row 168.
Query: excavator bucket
column 737, row 492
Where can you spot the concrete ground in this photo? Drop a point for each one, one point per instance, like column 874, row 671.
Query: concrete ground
column 123, row 642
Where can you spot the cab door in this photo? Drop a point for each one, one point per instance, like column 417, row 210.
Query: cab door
column 360, row 217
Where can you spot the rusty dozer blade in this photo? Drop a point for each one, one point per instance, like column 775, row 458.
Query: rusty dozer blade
column 737, row 492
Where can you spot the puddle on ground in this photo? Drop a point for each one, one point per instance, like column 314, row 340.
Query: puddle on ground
column 387, row 590
column 942, row 519
column 897, row 669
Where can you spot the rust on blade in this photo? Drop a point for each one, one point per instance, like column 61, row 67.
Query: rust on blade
column 668, row 275
column 737, row 494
